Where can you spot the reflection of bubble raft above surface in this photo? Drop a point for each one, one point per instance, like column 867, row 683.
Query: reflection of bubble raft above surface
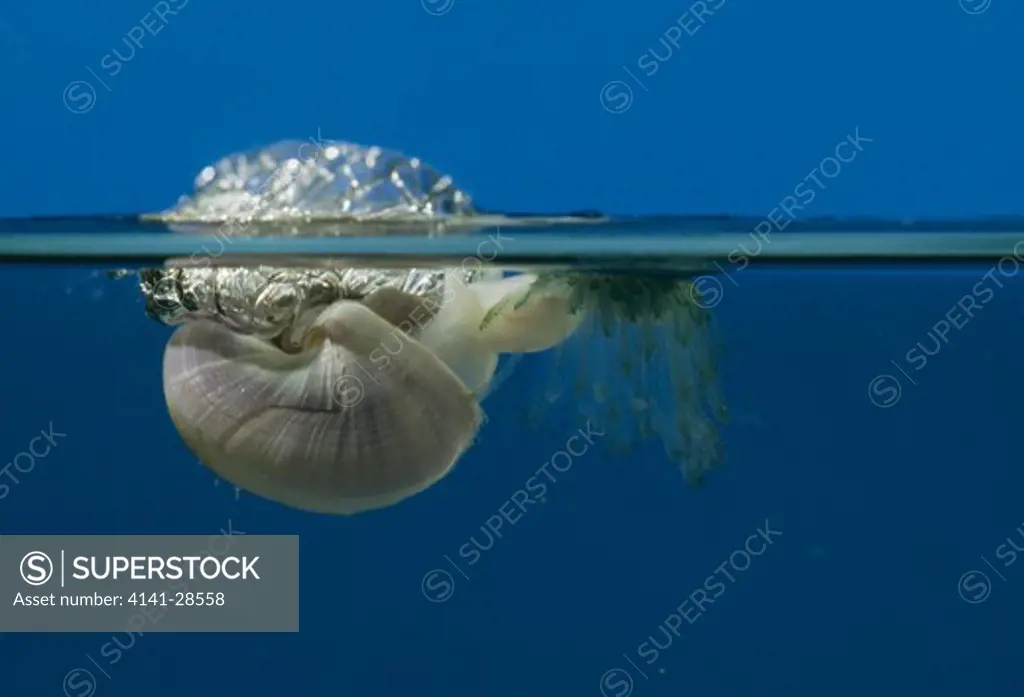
column 293, row 178
column 642, row 365
column 287, row 186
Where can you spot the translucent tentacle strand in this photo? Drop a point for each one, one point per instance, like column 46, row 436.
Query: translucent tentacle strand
column 642, row 364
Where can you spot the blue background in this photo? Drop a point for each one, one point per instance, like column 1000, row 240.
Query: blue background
column 881, row 510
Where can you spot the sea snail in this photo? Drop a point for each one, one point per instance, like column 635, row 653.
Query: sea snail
column 363, row 414
column 361, row 402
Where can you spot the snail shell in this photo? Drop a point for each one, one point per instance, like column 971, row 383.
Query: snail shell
column 369, row 402
column 363, row 416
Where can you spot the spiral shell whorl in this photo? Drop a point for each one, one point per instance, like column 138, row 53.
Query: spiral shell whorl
column 327, row 429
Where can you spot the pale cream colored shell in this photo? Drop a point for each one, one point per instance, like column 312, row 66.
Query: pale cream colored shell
column 332, row 429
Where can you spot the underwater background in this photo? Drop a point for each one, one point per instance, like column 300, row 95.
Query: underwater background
column 887, row 491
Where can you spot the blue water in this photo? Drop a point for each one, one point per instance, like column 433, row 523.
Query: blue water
column 881, row 510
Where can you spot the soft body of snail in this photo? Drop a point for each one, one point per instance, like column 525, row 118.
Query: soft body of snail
column 358, row 414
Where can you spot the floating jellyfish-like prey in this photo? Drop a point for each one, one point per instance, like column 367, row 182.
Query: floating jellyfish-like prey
column 344, row 390
column 640, row 355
